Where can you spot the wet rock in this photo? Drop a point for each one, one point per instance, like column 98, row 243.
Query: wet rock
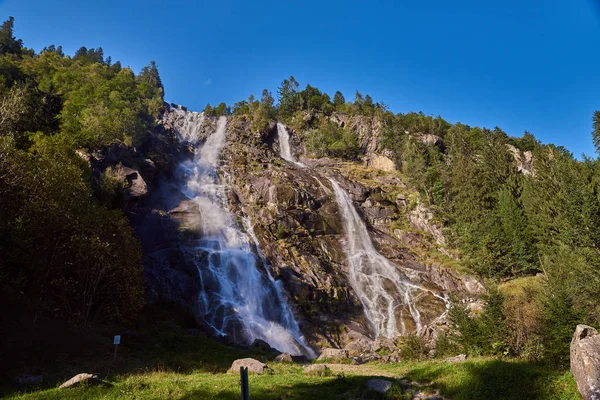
column 262, row 345
column 455, row 359
column 585, row 361
column 253, row 365
column 300, row 359
column 80, row 379
column 379, row 385
column 333, row 354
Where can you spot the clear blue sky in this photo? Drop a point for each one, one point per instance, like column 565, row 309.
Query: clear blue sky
column 521, row 65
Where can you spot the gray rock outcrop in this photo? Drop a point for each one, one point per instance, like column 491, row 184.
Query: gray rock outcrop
column 253, row 365
column 585, row 361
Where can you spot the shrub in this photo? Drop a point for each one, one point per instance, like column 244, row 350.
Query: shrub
column 330, row 140
column 111, row 186
column 412, row 347
column 486, row 333
column 446, row 346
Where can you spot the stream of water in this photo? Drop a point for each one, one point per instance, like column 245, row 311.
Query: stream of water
column 239, row 296
column 389, row 300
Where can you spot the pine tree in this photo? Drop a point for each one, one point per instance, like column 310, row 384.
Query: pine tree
column 338, row 99
column 287, row 96
column 596, row 131
column 8, row 43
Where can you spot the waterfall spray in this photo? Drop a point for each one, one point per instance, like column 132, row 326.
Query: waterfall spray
column 236, row 297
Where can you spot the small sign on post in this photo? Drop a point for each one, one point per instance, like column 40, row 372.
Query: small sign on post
column 244, row 383
column 116, row 342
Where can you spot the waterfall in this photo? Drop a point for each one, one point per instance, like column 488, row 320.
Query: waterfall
column 188, row 124
column 386, row 296
column 284, row 145
column 236, row 297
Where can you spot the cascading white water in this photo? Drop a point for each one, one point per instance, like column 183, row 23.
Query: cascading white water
column 386, row 296
column 188, row 124
column 284, row 145
column 236, row 297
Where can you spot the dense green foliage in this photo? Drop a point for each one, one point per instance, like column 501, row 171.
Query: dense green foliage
column 330, row 140
column 483, row 334
column 62, row 247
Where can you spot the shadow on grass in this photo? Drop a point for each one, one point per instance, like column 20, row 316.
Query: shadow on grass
column 310, row 388
column 496, row 380
column 224, row 387
column 160, row 343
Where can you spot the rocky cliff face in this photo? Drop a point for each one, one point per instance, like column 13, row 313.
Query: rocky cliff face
column 299, row 227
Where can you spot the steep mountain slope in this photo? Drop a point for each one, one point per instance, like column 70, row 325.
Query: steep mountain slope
column 298, row 225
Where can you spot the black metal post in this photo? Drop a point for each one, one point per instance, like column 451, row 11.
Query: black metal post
column 244, row 383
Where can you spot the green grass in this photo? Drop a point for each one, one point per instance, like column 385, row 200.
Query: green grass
column 487, row 379
column 164, row 361
column 490, row 379
column 288, row 383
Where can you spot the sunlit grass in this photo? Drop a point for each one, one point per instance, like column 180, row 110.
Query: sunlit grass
column 474, row 379
column 166, row 361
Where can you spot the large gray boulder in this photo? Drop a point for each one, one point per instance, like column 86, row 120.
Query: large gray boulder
column 585, row 361
column 253, row 366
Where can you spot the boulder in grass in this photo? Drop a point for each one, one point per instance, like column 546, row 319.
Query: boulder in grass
column 317, row 370
column 80, row 379
column 253, row 366
column 455, row 359
column 284, row 358
column 585, row 361
column 379, row 385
